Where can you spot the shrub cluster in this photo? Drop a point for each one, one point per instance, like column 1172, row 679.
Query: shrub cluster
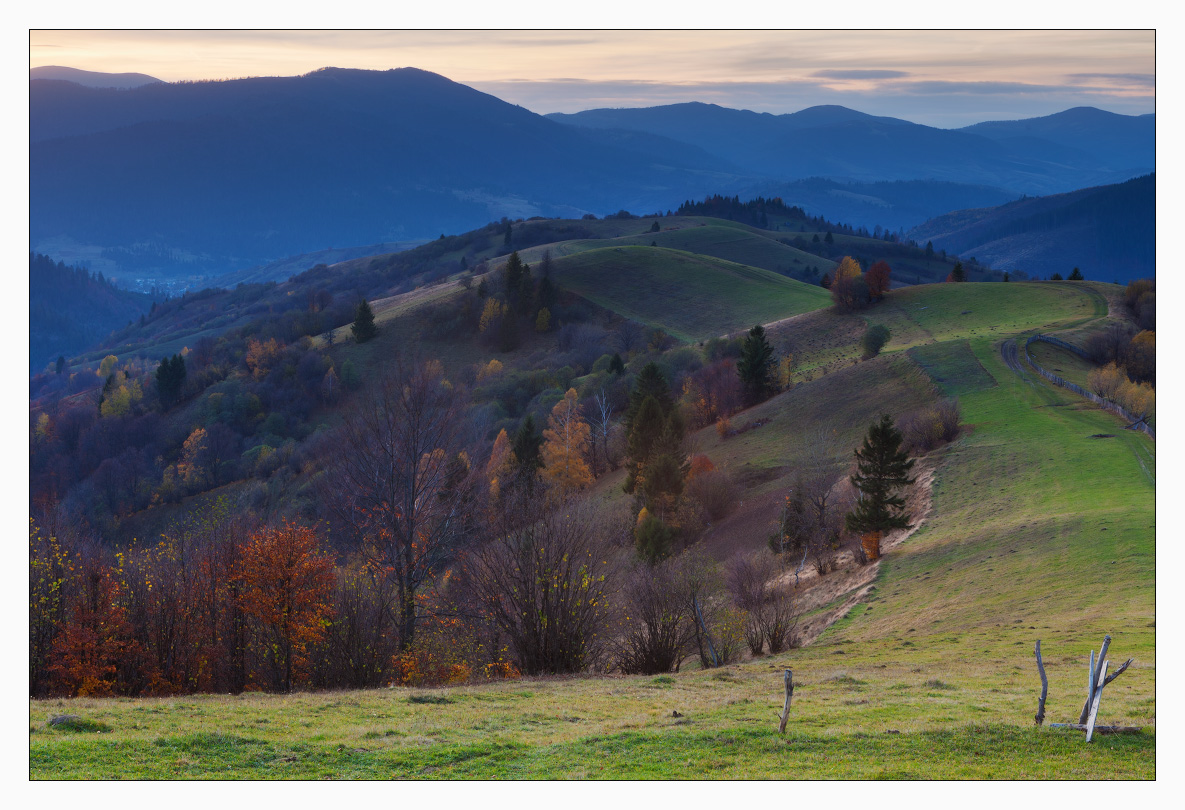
column 924, row 429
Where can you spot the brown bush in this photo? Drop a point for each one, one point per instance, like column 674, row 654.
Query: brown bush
column 715, row 492
column 929, row 427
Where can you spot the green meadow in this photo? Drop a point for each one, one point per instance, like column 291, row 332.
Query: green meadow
column 1039, row 529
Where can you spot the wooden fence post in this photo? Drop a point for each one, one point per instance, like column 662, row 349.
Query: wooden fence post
column 1040, row 718
column 789, row 678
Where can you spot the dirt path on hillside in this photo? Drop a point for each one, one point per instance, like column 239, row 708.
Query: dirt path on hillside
column 852, row 582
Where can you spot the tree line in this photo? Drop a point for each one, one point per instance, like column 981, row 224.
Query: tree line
column 451, row 560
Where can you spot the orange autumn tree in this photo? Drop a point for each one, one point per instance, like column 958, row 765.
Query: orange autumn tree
column 565, row 445
column 286, row 586
column 849, row 290
column 96, row 640
column 501, row 464
column 878, row 279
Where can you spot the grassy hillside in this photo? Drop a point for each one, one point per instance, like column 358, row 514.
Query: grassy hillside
column 691, row 297
column 1037, row 529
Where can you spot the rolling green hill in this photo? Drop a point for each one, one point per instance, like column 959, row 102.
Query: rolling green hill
column 1037, row 529
column 689, row 296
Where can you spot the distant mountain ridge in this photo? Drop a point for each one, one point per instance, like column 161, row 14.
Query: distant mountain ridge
column 835, row 142
column 1108, row 232
column 221, row 176
column 91, row 78
column 242, row 172
column 1119, row 140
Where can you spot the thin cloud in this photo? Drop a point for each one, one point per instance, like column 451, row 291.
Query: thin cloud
column 1139, row 79
column 976, row 88
column 860, row 74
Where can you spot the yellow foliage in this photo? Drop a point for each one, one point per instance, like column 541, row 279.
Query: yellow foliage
column 848, row 268
column 44, row 428
column 189, row 469
column 543, row 321
column 107, row 365
column 1106, row 381
column 491, row 369
column 493, row 312
column 500, row 464
column 261, row 356
column 1145, row 338
column 565, row 444
column 645, row 513
column 786, row 371
column 123, row 394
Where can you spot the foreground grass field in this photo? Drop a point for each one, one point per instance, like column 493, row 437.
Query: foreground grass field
column 1038, row 530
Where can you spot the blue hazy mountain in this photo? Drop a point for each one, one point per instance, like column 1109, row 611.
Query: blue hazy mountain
column 91, row 78
column 203, row 178
column 1108, row 232
column 839, row 143
column 229, row 174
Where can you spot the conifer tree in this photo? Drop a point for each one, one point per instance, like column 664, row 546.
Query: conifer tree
column 363, row 328
column 757, row 367
column 650, row 383
column 525, row 447
column 881, row 468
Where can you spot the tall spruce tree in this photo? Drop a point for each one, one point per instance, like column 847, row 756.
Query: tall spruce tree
column 882, row 467
column 756, row 367
column 363, row 328
column 650, row 383
column 526, row 447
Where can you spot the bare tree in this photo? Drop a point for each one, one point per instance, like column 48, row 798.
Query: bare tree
column 812, row 520
column 601, row 424
column 545, row 580
column 400, row 480
column 660, row 626
column 769, row 605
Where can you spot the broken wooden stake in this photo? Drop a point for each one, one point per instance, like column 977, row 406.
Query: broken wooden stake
column 1092, row 678
column 1040, row 717
column 1094, row 704
column 789, row 678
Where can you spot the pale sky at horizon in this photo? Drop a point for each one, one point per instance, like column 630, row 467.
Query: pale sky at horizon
column 941, row 78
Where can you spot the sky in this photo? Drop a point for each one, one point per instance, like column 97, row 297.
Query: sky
column 946, row 78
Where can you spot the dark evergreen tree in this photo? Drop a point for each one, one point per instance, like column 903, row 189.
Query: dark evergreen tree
column 654, row 540
column 545, row 295
column 363, row 328
column 654, row 228
column 882, row 467
column 756, row 367
column 829, row 239
column 526, row 447
column 1076, row 275
column 61, row 364
column 617, row 365
column 650, row 383
column 957, row 274
column 506, row 236
column 170, row 378
column 647, row 426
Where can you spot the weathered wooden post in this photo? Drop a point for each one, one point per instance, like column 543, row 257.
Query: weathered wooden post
column 1094, row 704
column 1040, row 718
column 789, row 678
column 1092, row 678
column 1096, row 679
